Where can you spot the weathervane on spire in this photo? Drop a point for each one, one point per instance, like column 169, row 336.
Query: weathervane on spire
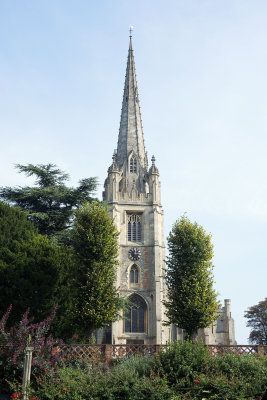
column 130, row 30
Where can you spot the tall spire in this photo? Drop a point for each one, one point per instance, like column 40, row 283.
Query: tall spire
column 131, row 137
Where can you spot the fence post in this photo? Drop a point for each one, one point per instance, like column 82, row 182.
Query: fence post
column 260, row 350
column 108, row 352
column 157, row 350
column 27, row 371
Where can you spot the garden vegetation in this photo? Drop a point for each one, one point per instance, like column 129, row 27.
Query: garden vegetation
column 181, row 371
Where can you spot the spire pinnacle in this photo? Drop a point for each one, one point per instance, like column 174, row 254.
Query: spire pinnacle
column 153, row 168
column 131, row 137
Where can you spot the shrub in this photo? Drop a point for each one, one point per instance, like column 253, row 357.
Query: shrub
column 15, row 339
column 219, row 387
column 182, row 363
column 195, row 375
column 242, row 375
column 240, row 366
column 141, row 366
column 121, row 383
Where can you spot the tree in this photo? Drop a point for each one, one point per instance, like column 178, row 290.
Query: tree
column 36, row 274
column 50, row 204
column 95, row 301
column 191, row 302
column 257, row 320
column 29, row 265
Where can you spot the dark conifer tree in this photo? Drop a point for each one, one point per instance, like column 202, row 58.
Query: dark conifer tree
column 29, row 266
column 50, row 204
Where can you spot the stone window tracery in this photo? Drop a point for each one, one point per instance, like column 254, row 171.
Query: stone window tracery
column 136, row 315
column 134, row 227
column 134, row 275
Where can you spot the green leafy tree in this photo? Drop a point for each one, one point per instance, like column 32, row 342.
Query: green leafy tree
column 257, row 320
column 50, row 204
column 94, row 299
column 191, row 300
column 29, row 266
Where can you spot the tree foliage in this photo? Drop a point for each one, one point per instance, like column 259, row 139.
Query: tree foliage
column 94, row 299
column 191, row 300
column 29, row 265
column 257, row 320
column 50, row 203
column 38, row 274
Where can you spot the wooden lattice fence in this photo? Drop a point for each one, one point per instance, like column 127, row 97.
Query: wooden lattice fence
column 237, row 349
column 108, row 352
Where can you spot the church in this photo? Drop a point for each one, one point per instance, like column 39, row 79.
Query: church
column 132, row 192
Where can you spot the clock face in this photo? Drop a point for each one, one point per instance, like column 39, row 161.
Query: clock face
column 134, row 254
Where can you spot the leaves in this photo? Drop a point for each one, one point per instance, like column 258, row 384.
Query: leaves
column 13, row 342
column 36, row 273
column 257, row 320
column 191, row 298
column 94, row 299
column 50, row 204
column 29, row 265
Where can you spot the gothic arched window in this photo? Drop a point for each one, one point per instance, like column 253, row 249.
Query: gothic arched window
column 133, row 165
column 134, row 275
column 135, row 316
column 134, row 227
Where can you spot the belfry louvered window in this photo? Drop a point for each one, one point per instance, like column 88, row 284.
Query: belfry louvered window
column 134, row 227
column 133, row 165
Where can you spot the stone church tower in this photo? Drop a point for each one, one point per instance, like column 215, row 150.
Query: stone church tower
column 132, row 191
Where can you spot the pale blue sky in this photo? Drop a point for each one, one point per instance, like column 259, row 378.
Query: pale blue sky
column 201, row 71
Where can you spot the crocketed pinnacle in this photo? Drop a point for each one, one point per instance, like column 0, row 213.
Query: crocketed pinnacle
column 131, row 137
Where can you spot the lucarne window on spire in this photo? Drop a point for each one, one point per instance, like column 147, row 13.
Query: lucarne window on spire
column 133, row 165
